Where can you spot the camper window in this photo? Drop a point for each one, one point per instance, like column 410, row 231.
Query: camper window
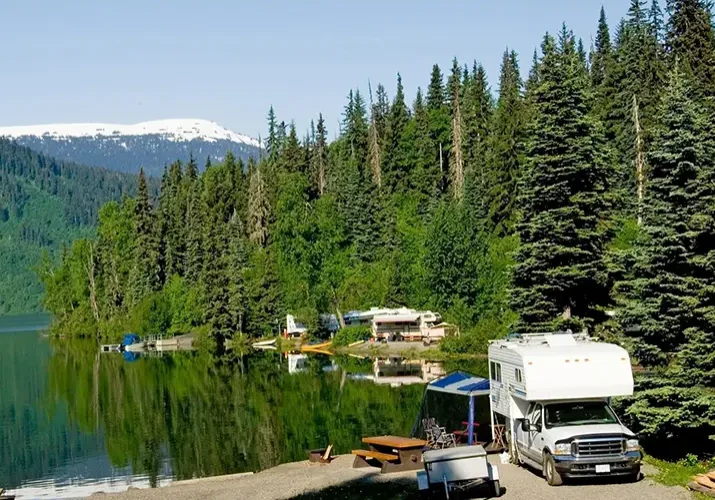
column 496, row 371
column 518, row 376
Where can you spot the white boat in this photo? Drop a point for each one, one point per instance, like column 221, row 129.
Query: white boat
column 136, row 347
column 265, row 343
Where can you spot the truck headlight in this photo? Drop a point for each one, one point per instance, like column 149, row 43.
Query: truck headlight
column 562, row 449
column 632, row 445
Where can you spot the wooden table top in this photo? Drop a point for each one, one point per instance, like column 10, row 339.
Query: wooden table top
column 395, row 442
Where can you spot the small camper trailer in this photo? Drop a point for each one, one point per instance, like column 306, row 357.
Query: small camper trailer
column 551, row 393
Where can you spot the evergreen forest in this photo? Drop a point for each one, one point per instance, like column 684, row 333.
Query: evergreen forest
column 580, row 197
column 45, row 204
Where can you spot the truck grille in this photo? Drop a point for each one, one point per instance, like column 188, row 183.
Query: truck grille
column 599, row 447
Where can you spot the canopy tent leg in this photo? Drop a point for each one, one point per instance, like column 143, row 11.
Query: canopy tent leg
column 470, row 423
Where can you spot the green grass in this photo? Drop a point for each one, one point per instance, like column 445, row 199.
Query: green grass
column 678, row 473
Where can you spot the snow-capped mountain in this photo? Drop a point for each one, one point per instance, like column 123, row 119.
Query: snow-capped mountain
column 126, row 148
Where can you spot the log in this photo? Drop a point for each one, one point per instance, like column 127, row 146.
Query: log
column 704, row 480
column 701, row 489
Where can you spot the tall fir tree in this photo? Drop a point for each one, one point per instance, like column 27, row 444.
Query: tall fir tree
column 144, row 275
column 194, row 223
column 427, row 176
column 319, row 161
column 559, row 279
column 660, row 303
column 438, row 114
column 507, row 148
column 601, row 57
column 258, row 205
column 478, row 106
column 272, row 147
column 397, row 170
column 690, row 39
column 374, row 152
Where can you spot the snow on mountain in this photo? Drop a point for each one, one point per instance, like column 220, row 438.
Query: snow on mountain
column 127, row 148
column 174, row 130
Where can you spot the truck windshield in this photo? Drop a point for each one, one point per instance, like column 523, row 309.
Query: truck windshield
column 563, row 414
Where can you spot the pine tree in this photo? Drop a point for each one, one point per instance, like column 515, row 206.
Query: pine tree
column 194, row 223
column 636, row 70
column 397, row 173
column 292, row 157
column 602, row 53
column 438, row 113
column 456, row 157
column 661, row 300
column 237, row 264
column 272, row 147
column 258, row 205
column 171, row 218
column 427, row 176
column 690, row 39
column 478, row 107
column 144, row 275
column 319, row 162
column 375, row 142
column 559, row 279
column 507, row 155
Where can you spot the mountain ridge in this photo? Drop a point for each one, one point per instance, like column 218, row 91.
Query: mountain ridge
column 175, row 129
column 127, row 148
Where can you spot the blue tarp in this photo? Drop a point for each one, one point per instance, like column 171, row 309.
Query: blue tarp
column 460, row 383
column 130, row 338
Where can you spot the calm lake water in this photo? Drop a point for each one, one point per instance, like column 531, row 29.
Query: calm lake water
column 73, row 421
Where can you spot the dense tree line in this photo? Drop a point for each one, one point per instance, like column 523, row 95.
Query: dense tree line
column 579, row 198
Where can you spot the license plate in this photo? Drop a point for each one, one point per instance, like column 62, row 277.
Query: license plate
column 603, row 469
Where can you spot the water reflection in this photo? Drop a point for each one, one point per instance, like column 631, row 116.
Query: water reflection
column 206, row 416
column 74, row 420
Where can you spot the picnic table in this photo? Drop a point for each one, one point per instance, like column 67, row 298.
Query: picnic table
column 391, row 453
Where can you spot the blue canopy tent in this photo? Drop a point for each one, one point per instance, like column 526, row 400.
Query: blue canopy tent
column 461, row 384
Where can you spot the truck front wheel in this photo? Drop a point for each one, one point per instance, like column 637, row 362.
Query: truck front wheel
column 553, row 478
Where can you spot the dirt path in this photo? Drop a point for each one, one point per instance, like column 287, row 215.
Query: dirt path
column 340, row 480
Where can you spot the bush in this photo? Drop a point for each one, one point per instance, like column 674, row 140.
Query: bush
column 475, row 340
column 350, row 334
column 152, row 315
column 670, row 421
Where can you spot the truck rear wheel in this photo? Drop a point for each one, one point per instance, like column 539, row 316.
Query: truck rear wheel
column 553, row 478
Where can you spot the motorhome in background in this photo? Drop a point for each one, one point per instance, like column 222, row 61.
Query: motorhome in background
column 552, row 392
column 401, row 324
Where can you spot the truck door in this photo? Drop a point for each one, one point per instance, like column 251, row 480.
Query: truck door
column 531, row 442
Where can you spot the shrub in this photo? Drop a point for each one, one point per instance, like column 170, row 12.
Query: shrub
column 350, row 334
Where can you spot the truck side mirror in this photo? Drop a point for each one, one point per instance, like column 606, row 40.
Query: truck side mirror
column 525, row 425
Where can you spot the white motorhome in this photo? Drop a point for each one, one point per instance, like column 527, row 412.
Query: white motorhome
column 551, row 393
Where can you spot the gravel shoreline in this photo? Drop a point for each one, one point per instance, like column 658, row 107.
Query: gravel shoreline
column 340, row 480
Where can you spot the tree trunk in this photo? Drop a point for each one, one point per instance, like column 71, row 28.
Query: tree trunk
column 640, row 160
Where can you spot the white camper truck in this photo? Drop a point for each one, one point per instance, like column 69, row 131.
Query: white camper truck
column 552, row 392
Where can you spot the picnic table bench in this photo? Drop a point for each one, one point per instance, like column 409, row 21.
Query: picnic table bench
column 390, row 453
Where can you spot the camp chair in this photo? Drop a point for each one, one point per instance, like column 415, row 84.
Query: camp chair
column 440, row 438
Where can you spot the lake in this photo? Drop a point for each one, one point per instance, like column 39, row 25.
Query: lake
column 73, row 421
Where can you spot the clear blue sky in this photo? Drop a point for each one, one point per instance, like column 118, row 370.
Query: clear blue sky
column 229, row 60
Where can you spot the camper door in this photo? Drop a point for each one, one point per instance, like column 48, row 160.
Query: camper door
column 531, row 441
